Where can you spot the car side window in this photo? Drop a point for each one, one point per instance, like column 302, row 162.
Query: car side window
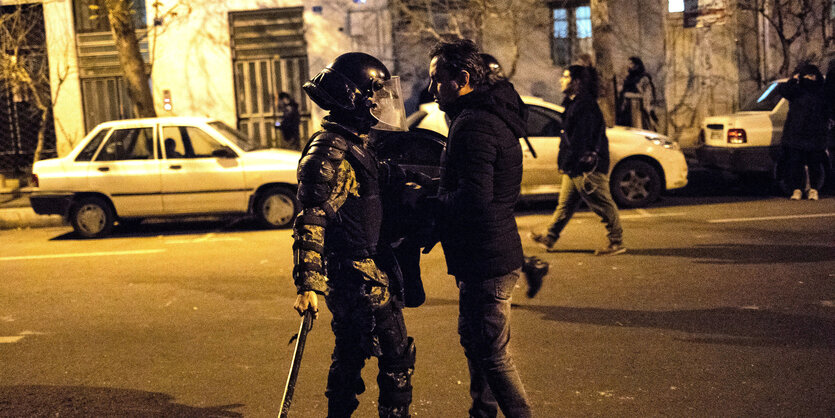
column 543, row 122
column 128, row 144
column 89, row 150
column 188, row 142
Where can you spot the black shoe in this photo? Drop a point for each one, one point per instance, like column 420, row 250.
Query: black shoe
column 545, row 241
column 535, row 270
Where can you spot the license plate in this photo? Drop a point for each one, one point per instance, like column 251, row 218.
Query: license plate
column 715, row 134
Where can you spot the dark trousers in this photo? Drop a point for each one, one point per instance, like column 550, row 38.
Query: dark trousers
column 798, row 159
column 363, row 329
column 484, row 327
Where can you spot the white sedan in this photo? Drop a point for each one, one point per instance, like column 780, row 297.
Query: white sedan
column 643, row 163
column 128, row 170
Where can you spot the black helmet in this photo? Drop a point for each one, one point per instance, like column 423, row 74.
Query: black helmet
column 347, row 83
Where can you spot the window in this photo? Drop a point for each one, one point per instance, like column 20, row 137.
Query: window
column 128, row 144
column 675, row 6
column 571, row 33
column 94, row 19
column 90, row 149
column 188, row 142
column 543, row 122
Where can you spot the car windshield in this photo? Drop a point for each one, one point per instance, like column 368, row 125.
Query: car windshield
column 765, row 100
column 234, row 135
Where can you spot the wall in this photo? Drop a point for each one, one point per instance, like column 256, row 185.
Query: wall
column 191, row 55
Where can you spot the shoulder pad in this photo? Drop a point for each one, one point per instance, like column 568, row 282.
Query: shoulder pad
column 315, row 168
column 329, row 145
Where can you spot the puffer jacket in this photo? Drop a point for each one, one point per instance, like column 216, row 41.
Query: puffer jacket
column 481, row 174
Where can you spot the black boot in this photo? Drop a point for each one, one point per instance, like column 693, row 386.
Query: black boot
column 535, row 270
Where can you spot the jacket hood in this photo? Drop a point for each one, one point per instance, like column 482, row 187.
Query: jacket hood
column 500, row 99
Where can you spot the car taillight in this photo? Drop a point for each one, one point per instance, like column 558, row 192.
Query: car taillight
column 737, row 136
column 34, row 180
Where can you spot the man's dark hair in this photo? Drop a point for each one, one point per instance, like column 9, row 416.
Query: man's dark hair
column 284, row 95
column 460, row 55
column 586, row 78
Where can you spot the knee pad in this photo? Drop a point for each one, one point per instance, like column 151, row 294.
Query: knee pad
column 395, row 381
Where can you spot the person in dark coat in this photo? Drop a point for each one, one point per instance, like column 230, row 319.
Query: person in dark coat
column 289, row 119
column 481, row 176
column 583, row 160
column 637, row 85
column 805, row 130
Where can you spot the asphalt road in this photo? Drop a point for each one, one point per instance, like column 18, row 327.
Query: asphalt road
column 725, row 307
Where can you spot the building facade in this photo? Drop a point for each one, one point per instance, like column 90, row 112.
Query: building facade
column 228, row 59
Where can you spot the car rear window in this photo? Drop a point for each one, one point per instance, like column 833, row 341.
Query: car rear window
column 765, row 100
column 90, row 149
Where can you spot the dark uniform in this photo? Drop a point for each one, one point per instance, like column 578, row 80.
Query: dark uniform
column 337, row 247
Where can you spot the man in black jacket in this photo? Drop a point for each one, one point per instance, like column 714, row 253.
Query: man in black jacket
column 481, row 174
column 584, row 161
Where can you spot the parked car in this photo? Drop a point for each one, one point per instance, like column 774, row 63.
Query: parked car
column 128, row 170
column 748, row 141
column 643, row 163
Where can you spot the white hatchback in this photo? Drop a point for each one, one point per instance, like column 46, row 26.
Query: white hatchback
column 642, row 163
column 128, row 170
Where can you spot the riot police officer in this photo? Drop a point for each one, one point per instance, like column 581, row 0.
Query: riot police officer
column 337, row 249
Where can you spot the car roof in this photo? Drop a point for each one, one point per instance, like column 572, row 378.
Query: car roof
column 529, row 100
column 166, row 119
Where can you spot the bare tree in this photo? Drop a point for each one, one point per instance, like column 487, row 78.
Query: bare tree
column 120, row 15
column 797, row 26
column 504, row 22
column 25, row 69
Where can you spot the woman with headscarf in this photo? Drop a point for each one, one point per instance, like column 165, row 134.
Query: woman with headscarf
column 637, row 85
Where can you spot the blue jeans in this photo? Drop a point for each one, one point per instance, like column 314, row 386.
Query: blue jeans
column 484, row 327
column 593, row 188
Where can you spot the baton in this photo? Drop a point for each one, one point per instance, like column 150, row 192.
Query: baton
column 305, row 327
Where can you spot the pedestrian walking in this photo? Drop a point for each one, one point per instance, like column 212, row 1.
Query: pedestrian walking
column 583, row 160
column 289, row 119
column 337, row 249
column 481, row 175
column 637, row 86
column 533, row 267
column 805, row 130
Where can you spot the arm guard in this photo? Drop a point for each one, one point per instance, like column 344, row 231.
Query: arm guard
column 325, row 180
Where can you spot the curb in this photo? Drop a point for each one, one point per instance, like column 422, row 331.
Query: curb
column 25, row 217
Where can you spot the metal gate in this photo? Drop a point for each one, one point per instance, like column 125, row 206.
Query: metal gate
column 269, row 57
column 20, row 120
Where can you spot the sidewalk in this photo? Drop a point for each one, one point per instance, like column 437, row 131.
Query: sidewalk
column 16, row 213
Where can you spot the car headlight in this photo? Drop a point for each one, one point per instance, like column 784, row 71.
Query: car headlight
column 663, row 141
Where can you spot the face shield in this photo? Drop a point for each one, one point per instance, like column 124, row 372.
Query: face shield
column 388, row 106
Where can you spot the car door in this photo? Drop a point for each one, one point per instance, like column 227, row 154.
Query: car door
column 540, row 175
column 193, row 180
column 126, row 169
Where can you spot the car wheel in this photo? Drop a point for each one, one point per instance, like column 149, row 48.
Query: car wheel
column 635, row 184
column 276, row 207
column 92, row 217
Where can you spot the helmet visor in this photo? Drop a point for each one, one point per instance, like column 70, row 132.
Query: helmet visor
column 388, row 106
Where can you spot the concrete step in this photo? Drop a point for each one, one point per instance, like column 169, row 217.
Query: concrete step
column 8, row 185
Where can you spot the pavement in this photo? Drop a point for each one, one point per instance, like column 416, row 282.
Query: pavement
column 17, row 213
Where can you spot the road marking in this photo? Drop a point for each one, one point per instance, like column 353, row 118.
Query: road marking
column 643, row 214
column 71, row 255
column 15, row 338
column 210, row 237
column 771, row 218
